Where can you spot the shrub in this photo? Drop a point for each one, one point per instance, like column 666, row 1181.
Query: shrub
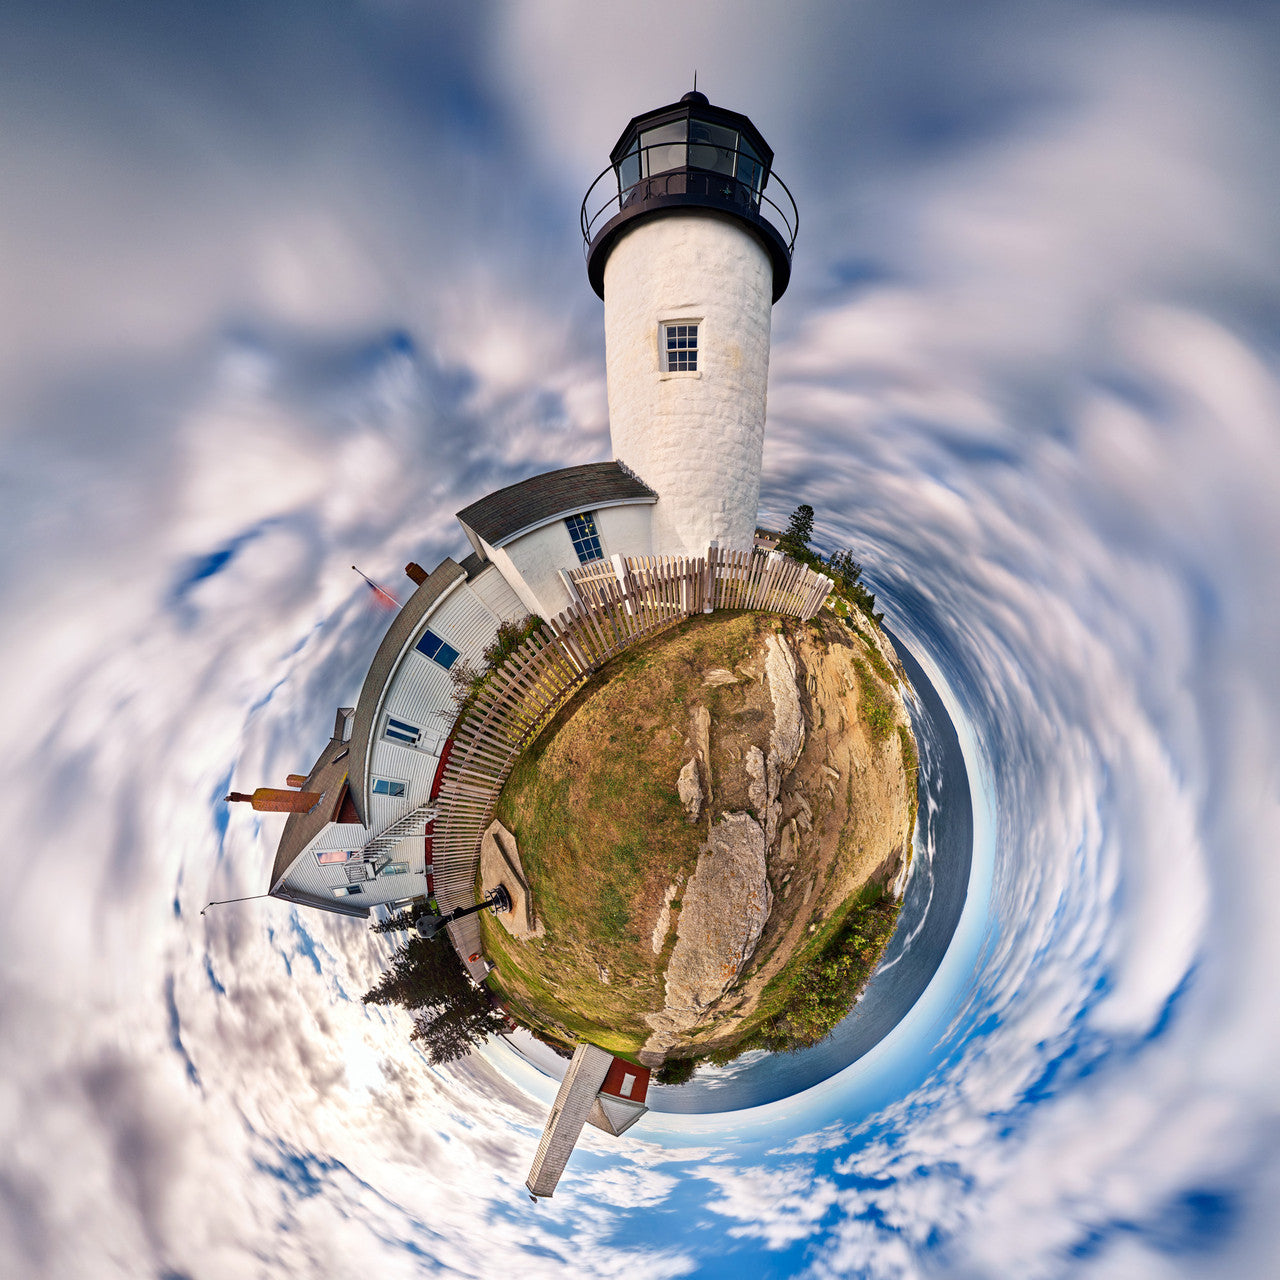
column 676, row 1071
column 823, row 990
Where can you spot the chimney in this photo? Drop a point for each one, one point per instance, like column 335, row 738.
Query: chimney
column 273, row 800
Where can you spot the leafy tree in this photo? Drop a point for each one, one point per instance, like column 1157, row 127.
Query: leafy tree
column 452, row 1016
column 846, row 573
column 795, row 541
column 844, row 569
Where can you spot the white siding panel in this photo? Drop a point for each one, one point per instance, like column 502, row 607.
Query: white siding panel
column 466, row 624
column 384, row 810
column 308, row 876
column 394, row 760
column 496, row 592
column 422, row 694
column 345, row 835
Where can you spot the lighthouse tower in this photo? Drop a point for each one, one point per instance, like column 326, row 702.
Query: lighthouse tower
column 689, row 238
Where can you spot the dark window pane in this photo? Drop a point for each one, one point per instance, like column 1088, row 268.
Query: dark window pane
column 402, row 731
column 681, row 348
column 586, row 540
column 433, row 647
column 629, row 168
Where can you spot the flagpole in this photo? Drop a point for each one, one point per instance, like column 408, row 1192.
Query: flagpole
column 222, row 902
column 377, row 590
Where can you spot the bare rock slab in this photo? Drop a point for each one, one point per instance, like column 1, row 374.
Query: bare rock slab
column 725, row 906
column 786, row 741
column 500, row 864
column 718, row 676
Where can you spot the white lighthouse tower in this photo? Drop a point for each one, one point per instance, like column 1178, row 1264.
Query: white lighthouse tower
column 690, row 253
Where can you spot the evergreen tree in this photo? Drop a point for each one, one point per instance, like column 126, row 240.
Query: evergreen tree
column 795, row 541
column 456, row 1029
column 400, row 922
column 427, row 978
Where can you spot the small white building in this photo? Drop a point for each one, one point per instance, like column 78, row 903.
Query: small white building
column 689, row 247
column 598, row 1089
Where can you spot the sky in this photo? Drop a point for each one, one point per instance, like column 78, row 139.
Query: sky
column 287, row 285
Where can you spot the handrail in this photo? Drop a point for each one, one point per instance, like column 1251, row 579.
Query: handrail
column 789, row 217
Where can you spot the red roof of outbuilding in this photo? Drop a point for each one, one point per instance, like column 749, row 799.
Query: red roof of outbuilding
column 618, row 1071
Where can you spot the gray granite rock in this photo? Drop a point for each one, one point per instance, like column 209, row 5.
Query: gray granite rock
column 690, row 790
column 725, row 906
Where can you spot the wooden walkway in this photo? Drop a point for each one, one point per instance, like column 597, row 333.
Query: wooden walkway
column 620, row 602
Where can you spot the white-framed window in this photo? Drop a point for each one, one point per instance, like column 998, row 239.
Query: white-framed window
column 586, row 537
column 402, row 731
column 328, row 857
column 678, row 346
column 345, row 890
column 437, row 650
column 388, row 787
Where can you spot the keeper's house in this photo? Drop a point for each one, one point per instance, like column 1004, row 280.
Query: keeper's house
column 362, row 843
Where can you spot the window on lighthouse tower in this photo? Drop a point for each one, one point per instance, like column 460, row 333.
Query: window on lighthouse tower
column 679, row 348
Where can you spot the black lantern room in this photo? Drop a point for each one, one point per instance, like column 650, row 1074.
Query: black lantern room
column 690, row 155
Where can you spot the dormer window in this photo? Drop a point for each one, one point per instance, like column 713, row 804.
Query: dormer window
column 679, row 345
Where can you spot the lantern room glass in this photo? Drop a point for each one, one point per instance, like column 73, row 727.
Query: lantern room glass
column 664, row 148
column 712, row 146
column 693, row 144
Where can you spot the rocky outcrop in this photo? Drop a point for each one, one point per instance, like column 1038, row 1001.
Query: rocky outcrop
column 757, row 784
column 662, row 925
column 786, row 738
column 689, row 790
column 726, row 904
column 810, row 784
column 789, row 801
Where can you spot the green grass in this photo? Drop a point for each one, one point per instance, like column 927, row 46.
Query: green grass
column 874, row 704
column 911, row 768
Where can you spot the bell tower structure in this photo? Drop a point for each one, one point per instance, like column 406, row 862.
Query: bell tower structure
column 688, row 238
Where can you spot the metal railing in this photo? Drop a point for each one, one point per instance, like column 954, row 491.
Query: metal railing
column 691, row 179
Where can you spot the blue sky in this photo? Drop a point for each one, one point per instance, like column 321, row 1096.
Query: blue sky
column 288, row 285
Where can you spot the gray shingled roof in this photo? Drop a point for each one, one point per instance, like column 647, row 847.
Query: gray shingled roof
column 499, row 517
